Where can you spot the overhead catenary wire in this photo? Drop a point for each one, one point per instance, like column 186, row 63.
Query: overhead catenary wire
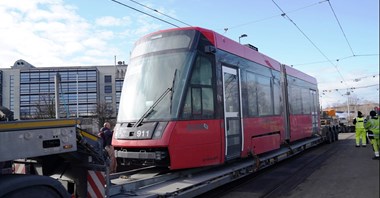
column 303, row 33
column 341, row 28
column 155, row 10
column 274, row 16
column 145, row 13
column 338, row 59
column 350, row 88
column 356, row 79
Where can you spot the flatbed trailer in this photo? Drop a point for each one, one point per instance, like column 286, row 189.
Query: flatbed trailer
column 193, row 182
column 53, row 156
column 65, row 161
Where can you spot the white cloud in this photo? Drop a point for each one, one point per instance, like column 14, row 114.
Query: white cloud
column 47, row 33
column 113, row 21
column 51, row 32
column 42, row 36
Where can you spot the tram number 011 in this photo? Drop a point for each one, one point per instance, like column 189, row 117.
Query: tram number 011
column 143, row 134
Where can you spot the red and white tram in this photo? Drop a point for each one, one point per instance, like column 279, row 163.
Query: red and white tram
column 192, row 97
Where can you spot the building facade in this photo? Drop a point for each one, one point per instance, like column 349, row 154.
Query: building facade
column 1, row 88
column 30, row 92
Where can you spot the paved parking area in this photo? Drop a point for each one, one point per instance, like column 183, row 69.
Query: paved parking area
column 350, row 172
column 328, row 171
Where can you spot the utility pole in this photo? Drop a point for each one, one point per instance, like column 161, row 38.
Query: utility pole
column 348, row 106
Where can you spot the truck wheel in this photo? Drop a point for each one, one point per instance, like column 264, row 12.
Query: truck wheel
column 326, row 134
column 34, row 192
column 336, row 133
column 31, row 186
column 328, row 137
column 331, row 130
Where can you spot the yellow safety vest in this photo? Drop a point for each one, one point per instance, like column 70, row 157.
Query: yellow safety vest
column 373, row 125
column 359, row 123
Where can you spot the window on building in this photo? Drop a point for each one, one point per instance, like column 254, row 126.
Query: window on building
column 108, row 89
column 108, row 99
column 118, row 85
column 107, row 79
column 1, row 89
column 36, row 85
column 118, row 95
column 12, row 92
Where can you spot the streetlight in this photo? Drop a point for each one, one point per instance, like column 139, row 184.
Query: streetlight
column 348, row 105
column 243, row 35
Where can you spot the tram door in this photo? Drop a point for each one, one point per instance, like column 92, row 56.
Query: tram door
column 314, row 110
column 232, row 113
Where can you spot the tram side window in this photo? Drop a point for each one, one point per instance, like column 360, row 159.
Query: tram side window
column 199, row 101
column 306, row 101
column 196, row 101
column 202, row 72
column 277, row 95
column 264, row 94
column 252, row 96
column 295, row 100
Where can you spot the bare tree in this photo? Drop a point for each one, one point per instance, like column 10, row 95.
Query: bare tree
column 104, row 113
column 45, row 107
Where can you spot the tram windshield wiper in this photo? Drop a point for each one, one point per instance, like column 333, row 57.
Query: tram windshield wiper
column 151, row 108
column 171, row 94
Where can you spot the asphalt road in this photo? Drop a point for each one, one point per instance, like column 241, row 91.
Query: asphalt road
column 327, row 171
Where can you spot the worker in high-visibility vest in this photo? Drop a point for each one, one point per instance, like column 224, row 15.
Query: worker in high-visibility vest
column 360, row 130
column 372, row 127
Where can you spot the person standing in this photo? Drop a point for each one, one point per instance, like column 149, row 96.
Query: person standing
column 372, row 126
column 360, row 130
column 106, row 134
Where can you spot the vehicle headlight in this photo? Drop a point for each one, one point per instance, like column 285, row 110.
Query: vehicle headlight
column 120, row 131
column 159, row 130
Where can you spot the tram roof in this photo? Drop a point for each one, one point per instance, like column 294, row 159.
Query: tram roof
column 229, row 45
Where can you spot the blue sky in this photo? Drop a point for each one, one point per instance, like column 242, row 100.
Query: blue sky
column 87, row 32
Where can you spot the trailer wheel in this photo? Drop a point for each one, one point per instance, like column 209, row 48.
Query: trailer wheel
column 328, row 136
column 31, row 186
column 336, row 133
column 343, row 129
column 333, row 133
column 34, row 192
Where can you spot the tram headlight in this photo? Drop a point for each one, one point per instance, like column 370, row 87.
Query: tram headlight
column 116, row 129
column 159, row 130
column 119, row 131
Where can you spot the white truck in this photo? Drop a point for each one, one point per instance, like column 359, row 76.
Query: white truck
column 36, row 155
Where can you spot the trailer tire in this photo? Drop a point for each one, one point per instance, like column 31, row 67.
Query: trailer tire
column 31, row 186
column 332, row 130
column 326, row 134
column 336, row 133
column 34, row 191
column 328, row 137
